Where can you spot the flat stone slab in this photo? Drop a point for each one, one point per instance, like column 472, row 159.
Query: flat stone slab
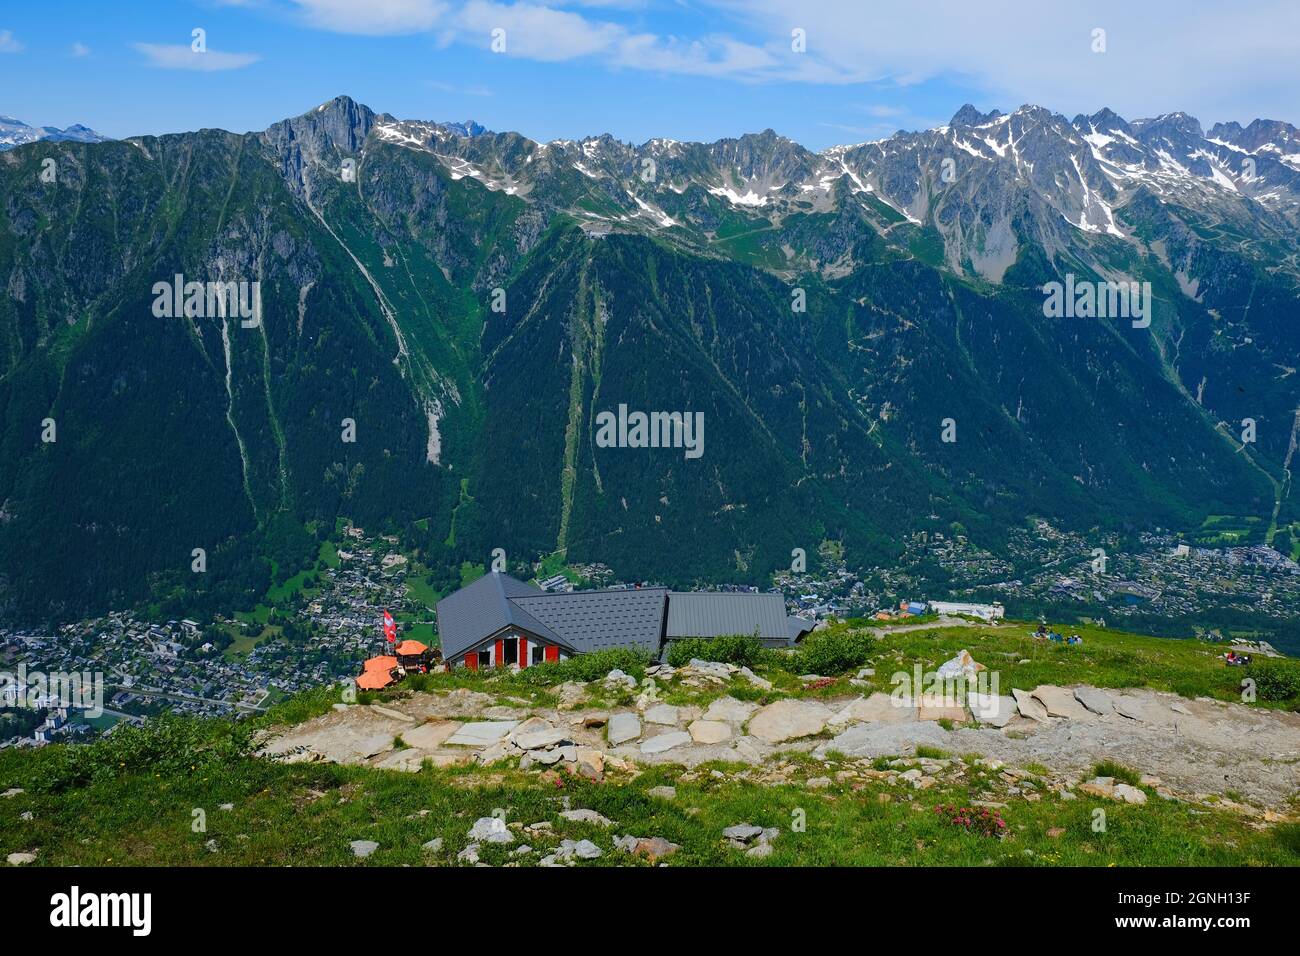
column 992, row 710
column 622, row 728
column 886, row 740
column 1060, row 702
column 540, row 739
column 1029, row 706
column 879, row 708
column 390, row 713
column 954, row 712
column 709, row 731
column 789, row 720
column 731, row 710
column 657, row 745
column 1130, row 707
column 1095, row 699
column 408, row 761
column 662, row 714
column 482, row 733
column 342, row 745
column 432, row 735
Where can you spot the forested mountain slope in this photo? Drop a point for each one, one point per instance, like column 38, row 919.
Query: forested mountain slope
column 463, row 304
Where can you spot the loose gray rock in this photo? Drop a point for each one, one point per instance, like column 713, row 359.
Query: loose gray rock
column 363, row 848
column 586, row 816
column 1129, row 794
column 652, row 848
column 742, row 833
column 490, row 830
column 617, row 676
column 432, row 846
column 469, row 854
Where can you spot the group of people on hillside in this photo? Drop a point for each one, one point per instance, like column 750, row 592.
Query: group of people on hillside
column 1056, row 636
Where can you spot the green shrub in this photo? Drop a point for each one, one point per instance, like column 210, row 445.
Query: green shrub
column 743, row 650
column 830, row 652
column 165, row 745
column 1109, row 768
column 1275, row 680
column 585, row 667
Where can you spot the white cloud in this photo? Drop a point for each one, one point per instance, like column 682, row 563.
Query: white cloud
column 179, row 56
column 711, row 56
column 373, row 17
column 79, row 49
column 1161, row 55
column 9, row 43
column 536, row 32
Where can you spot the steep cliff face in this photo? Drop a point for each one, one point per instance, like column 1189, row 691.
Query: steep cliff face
column 444, row 312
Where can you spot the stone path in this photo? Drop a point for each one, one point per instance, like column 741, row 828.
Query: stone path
column 1196, row 747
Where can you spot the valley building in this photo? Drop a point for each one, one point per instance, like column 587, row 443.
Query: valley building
column 987, row 612
column 499, row 621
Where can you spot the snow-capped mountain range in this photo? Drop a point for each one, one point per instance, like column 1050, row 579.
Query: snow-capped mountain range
column 14, row 132
column 982, row 180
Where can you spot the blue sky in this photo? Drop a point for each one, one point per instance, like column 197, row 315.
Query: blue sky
column 686, row 69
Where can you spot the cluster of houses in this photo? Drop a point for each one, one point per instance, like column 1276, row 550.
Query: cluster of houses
column 985, row 612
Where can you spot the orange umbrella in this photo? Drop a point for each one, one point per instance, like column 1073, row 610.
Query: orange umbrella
column 374, row 680
column 383, row 664
column 409, row 648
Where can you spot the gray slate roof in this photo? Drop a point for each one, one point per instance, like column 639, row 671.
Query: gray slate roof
column 799, row 626
column 484, row 607
column 579, row 621
column 713, row 613
column 585, row 621
column 598, row 620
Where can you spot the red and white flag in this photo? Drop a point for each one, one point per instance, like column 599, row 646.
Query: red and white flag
column 390, row 628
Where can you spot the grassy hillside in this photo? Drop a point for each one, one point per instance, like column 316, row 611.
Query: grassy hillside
column 135, row 797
